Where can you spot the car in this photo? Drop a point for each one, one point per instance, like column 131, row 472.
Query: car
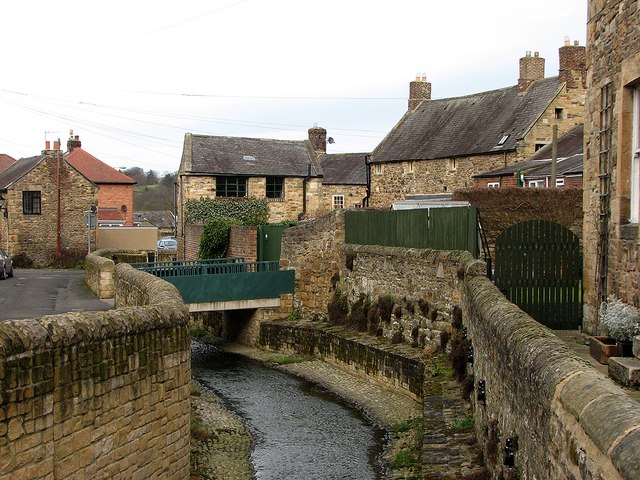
column 6, row 266
column 167, row 243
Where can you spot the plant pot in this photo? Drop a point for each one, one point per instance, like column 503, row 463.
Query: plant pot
column 603, row 347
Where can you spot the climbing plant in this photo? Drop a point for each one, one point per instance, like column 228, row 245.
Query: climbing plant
column 250, row 211
column 213, row 242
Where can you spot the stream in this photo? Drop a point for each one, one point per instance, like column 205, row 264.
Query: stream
column 300, row 430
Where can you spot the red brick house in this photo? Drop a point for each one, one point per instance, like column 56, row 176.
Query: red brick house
column 115, row 189
column 6, row 161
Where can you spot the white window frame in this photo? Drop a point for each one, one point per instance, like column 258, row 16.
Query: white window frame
column 453, row 164
column 635, row 157
column 337, row 201
column 377, row 169
column 559, row 182
column 536, row 183
column 409, row 167
column 493, row 185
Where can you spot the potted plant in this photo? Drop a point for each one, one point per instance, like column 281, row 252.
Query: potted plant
column 622, row 321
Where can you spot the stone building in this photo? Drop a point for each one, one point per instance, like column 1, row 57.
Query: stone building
column 163, row 220
column 439, row 145
column 115, row 189
column 298, row 179
column 536, row 170
column 612, row 157
column 45, row 202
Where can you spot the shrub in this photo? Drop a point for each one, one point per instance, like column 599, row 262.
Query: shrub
column 338, row 308
column 22, row 261
column 213, row 242
column 67, row 258
column 250, row 211
column 359, row 315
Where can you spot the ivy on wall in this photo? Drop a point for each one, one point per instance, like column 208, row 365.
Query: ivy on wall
column 249, row 211
column 214, row 239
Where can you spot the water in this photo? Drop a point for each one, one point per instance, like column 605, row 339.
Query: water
column 300, row 430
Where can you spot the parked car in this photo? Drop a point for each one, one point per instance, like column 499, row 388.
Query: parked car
column 167, row 243
column 6, row 266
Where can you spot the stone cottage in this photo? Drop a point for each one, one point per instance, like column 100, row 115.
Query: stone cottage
column 439, row 145
column 536, row 170
column 115, row 189
column 298, row 179
column 612, row 157
column 45, row 202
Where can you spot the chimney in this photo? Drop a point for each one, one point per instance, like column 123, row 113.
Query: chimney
column 419, row 91
column 56, row 145
column 73, row 142
column 531, row 70
column 318, row 139
column 573, row 64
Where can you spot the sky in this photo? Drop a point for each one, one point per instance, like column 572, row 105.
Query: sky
column 131, row 78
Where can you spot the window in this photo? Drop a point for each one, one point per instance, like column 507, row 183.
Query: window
column 453, row 164
column 493, row 185
column 231, row 187
column 31, row 203
column 409, row 167
column 338, row 202
column 558, row 114
column 538, row 146
column 559, row 182
column 635, row 157
column 275, row 187
column 536, row 183
column 377, row 168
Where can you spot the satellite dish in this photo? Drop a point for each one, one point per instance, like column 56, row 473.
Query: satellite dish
column 330, row 140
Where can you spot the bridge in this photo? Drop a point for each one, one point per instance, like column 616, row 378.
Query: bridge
column 224, row 283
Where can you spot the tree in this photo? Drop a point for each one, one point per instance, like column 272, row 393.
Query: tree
column 152, row 177
column 137, row 174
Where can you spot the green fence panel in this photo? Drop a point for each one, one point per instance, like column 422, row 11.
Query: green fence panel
column 270, row 241
column 452, row 228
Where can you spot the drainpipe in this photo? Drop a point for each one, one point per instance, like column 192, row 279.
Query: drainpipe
column 304, row 193
column 184, row 245
column 58, row 167
column 365, row 201
column 554, row 155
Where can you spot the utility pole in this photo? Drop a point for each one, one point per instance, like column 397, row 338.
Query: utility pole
column 554, row 155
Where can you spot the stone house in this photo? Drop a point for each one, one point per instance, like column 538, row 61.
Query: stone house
column 46, row 199
column 115, row 189
column 439, row 145
column 289, row 174
column 612, row 157
column 536, row 171
column 6, row 161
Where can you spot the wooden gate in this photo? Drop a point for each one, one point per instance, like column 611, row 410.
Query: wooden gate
column 539, row 268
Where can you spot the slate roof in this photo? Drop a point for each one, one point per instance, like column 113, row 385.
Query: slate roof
column 6, row 161
column 95, row 170
column 157, row 218
column 569, row 154
column 470, row 125
column 18, row 170
column 215, row 155
column 343, row 168
column 567, row 166
column 569, row 144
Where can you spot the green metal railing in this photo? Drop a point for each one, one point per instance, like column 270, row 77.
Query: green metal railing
column 223, row 279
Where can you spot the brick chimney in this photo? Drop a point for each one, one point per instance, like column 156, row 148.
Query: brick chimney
column 73, row 142
column 419, row 91
column 573, row 64
column 318, row 139
column 531, row 69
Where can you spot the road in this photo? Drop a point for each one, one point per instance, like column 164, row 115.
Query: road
column 34, row 293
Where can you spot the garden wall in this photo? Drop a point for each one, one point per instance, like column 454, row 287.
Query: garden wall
column 99, row 394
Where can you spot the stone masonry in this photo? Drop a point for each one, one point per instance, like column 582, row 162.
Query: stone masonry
column 613, row 33
column 65, row 195
column 101, row 395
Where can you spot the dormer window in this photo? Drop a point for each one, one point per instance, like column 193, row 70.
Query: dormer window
column 558, row 114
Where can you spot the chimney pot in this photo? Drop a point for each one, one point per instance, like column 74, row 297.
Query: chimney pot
column 536, row 54
column 576, row 43
column 567, row 41
column 417, row 77
column 47, row 145
column 56, row 145
column 528, row 53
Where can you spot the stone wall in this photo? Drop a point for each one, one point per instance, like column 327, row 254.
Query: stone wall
column 613, row 34
column 99, row 394
column 389, row 365
column 35, row 235
column 312, row 249
column 99, row 269
column 566, row 419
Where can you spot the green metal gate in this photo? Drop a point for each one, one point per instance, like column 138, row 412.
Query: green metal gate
column 539, row 268
column 269, row 241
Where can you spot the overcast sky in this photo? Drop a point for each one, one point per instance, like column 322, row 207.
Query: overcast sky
column 131, row 78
